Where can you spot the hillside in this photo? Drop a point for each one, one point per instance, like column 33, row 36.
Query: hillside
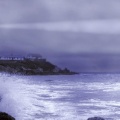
column 28, row 67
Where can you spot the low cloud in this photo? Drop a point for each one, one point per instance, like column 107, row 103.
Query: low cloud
column 96, row 26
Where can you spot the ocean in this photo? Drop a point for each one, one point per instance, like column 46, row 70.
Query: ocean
column 60, row 97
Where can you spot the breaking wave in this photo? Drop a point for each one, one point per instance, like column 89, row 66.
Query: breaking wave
column 75, row 97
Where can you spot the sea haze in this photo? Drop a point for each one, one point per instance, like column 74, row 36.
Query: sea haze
column 91, row 63
column 56, row 29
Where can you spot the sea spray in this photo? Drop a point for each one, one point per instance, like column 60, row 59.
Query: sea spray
column 12, row 98
column 77, row 97
column 8, row 95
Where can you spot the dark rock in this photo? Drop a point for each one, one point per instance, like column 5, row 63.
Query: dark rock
column 96, row 118
column 5, row 116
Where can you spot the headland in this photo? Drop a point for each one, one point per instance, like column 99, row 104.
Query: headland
column 32, row 64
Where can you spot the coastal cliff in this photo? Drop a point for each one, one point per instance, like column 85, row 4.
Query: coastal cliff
column 29, row 67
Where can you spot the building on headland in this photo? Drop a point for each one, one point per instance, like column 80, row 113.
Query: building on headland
column 11, row 58
column 32, row 57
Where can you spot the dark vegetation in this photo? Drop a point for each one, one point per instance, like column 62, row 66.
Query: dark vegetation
column 28, row 67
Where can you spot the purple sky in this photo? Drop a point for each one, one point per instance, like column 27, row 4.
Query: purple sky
column 60, row 28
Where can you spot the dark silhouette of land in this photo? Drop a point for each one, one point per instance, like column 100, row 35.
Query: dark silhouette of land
column 32, row 67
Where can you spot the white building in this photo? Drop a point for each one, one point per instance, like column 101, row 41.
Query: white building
column 12, row 58
column 28, row 57
column 33, row 57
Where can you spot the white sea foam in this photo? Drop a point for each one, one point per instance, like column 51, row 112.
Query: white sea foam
column 60, row 97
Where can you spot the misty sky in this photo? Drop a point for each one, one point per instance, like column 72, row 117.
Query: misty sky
column 60, row 28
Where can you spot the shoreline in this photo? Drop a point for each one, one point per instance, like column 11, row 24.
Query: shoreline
column 28, row 67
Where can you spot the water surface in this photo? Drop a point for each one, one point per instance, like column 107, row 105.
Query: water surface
column 72, row 97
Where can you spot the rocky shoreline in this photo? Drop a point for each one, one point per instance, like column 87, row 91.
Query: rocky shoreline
column 96, row 118
column 28, row 67
column 5, row 116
